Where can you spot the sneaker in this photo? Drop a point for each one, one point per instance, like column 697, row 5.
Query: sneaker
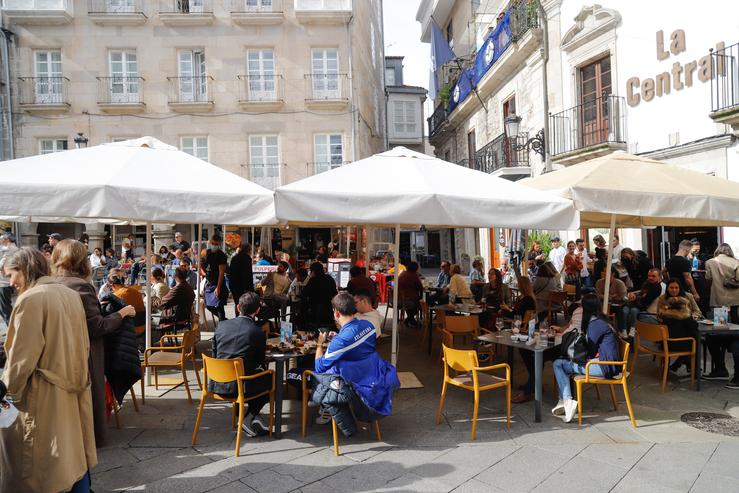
column 559, row 409
column 734, row 384
column 324, row 416
column 632, row 332
column 570, row 409
column 258, row 425
column 247, row 428
column 716, row 375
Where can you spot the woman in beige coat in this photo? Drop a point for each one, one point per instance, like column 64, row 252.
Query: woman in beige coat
column 51, row 446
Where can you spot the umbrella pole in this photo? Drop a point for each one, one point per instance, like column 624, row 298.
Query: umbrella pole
column 196, row 253
column 147, row 287
column 607, row 287
column 348, row 241
column 112, row 237
column 396, row 253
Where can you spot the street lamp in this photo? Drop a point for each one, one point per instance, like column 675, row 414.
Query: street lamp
column 535, row 143
column 80, row 141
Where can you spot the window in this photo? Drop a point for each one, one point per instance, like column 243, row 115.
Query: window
column 48, row 87
column 120, row 5
column 47, row 146
column 595, row 86
column 187, row 6
column 329, row 151
column 195, row 146
column 124, row 77
column 257, row 5
column 192, row 75
column 260, row 65
column 509, row 107
column 404, row 118
column 264, row 160
column 325, row 73
column 389, row 76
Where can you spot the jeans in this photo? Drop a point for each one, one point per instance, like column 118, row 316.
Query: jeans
column 648, row 318
column 83, row 485
column 717, row 345
column 629, row 315
column 563, row 368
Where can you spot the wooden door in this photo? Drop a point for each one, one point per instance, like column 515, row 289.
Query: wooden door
column 595, row 87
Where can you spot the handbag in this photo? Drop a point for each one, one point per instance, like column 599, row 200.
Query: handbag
column 575, row 346
column 729, row 282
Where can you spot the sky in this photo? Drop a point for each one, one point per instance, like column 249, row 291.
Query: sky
column 403, row 38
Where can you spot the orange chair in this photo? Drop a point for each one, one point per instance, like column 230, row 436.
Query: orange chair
column 471, row 376
column 659, row 335
column 157, row 357
column 334, row 428
column 620, row 379
column 463, row 326
column 229, row 370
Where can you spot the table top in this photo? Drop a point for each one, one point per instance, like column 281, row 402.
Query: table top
column 504, row 338
column 459, row 309
column 704, row 328
column 295, row 352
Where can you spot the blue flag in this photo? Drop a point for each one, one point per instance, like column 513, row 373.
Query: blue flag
column 464, row 86
column 441, row 53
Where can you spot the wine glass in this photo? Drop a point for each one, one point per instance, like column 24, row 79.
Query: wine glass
column 498, row 326
column 516, row 324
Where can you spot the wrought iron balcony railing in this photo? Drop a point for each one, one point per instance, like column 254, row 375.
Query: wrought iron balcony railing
column 436, row 119
column 326, row 87
column 256, row 6
column 186, row 6
column 190, row 89
column 725, row 84
column 115, row 7
column 43, row 90
column 123, row 90
column 599, row 121
column 261, row 88
column 500, row 153
column 266, row 175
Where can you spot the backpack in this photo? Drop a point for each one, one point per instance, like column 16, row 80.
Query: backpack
column 575, row 346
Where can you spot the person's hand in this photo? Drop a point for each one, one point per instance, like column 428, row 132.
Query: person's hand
column 322, row 337
column 631, row 296
column 218, row 292
column 127, row 311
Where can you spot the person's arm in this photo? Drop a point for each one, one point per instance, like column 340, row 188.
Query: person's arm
column 26, row 349
column 337, row 348
column 221, row 277
column 97, row 324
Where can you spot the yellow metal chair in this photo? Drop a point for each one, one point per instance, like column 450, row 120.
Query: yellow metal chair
column 157, row 357
column 580, row 380
column 334, row 428
column 471, row 376
column 229, row 370
column 659, row 336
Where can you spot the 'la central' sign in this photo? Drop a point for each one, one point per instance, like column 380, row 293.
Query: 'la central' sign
column 681, row 75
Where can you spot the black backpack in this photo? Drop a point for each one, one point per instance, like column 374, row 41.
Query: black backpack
column 575, row 346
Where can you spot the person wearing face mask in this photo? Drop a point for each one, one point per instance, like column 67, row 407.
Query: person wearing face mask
column 213, row 269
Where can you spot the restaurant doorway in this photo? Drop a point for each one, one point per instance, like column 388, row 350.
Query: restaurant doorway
column 663, row 241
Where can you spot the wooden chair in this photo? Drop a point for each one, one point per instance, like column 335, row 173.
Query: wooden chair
column 471, row 376
column 229, row 370
column 571, row 292
column 462, row 326
column 620, row 379
column 555, row 302
column 334, row 428
column 659, row 336
column 157, row 357
column 117, row 408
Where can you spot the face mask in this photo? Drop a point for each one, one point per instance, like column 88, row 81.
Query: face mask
column 213, row 248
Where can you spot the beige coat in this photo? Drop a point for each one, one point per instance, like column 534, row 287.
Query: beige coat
column 720, row 268
column 52, row 443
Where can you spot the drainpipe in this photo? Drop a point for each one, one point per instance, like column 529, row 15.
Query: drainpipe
column 386, row 139
column 544, row 85
column 6, row 39
column 351, row 87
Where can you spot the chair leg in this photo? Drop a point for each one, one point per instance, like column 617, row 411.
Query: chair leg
column 143, row 393
column 197, row 420
column 271, row 412
column 335, row 432
column 441, row 403
column 233, row 415
column 197, row 373
column 665, row 367
column 613, row 396
column 508, row 405
column 578, row 385
column 628, row 404
column 597, row 392
column 187, row 386
column 692, row 368
column 116, row 409
column 474, row 413
column 135, row 402
column 156, row 378
column 238, row 430
column 377, row 431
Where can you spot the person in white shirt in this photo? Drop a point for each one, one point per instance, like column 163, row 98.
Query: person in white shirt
column 617, row 247
column 365, row 311
column 557, row 254
column 582, row 252
column 97, row 258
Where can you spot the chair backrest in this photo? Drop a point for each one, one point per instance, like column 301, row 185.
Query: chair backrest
column 223, row 370
column 189, row 339
column 570, row 289
column 461, row 360
column 651, row 332
column 557, row 296
column 528, row 315
column 462, row 324
column 625, row 348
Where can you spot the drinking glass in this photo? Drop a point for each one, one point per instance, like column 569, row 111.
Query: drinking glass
column 498, row 326
column 516, row 324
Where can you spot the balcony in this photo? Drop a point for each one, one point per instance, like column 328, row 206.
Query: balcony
column 266, row 175
column 119, row 94
column 116, row 12
column 500, row 158
column 187, row 12
column 44, row 94
column 436, row 120
column 320, row 167
column 725, row 86
column 591, row 129
column 261, row 92
column 191, row 93
column 38, row 12
column 326, row 91
column 323, row 11
column 257, row 12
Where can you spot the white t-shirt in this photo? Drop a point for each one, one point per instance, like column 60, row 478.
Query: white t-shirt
column 96, row 260
column 374, row 318
column 617, row 253
column 585, row 261
column 557, row 257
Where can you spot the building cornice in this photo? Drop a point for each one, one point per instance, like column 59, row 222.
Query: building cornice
column 695, row 147
column 583, row 32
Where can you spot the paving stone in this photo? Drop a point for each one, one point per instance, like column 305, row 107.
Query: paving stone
column 235, row 487
column 113, row 457
column 714, row 483
column 314, row 466
column 592, row 477
column 475, row 486
column 724, row 462
column 269, row 481
column 619, row 455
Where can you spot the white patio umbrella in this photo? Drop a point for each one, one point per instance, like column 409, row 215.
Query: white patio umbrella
column 140, row 181
column 401, row 187
column 631, row 191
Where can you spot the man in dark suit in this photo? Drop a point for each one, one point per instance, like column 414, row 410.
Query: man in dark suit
column 242, row 338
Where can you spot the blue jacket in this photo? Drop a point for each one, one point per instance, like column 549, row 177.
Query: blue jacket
column 603, row 344
column 351, row 355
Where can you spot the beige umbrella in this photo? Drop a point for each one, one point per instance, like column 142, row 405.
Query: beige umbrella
column 631, row 191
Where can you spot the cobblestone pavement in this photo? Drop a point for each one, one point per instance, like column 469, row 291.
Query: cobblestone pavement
column 152, row 451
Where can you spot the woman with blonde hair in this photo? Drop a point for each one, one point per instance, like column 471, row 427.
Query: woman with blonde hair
column 71, row 267
column 51, row 445
column 458, row 287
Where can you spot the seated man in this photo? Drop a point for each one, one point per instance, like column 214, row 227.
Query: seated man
column 360, row 282
column 410, row 292
column 176, row 305
column 642, row 304
column 242, row 338
column 351, row 373
column 275, row 286
column 365, row 310
column 441, row 286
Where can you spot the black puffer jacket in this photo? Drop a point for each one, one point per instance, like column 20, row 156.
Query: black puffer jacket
column 339, row 396
column 122, row 363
